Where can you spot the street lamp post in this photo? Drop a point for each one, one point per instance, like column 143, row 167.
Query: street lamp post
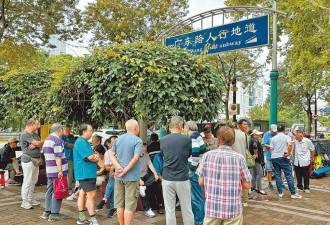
column 274, row 74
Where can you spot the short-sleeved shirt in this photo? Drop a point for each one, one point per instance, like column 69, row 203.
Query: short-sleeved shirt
column 68, row 140
column 255, row 144
column 83, row 169
column 223, row 171
column 107, row 158
column 279, row 144
column 25, row 140
column 175, row 149
column 241, row 143
column 266, row 140
column 52, row 148
column 303, row 151
column 145, row 162
column 125, row 147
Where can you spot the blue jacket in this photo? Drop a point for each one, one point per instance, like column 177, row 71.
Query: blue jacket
column 68, row 151
column 158, row 163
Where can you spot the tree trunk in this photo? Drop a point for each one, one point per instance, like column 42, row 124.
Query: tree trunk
column 226, row 102
column 143, row 130
column 309, row 113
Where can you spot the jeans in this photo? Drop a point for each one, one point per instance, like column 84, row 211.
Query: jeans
column 197, row 199
column 182, row 189
column 52, row 204
column 148, row 181
column 256, row 176
column 109, row 192
column 283, row 164
column 31, row 173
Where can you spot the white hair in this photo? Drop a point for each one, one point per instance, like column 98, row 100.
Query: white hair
column 56, row 127
column 131, row 124
column 192, row 125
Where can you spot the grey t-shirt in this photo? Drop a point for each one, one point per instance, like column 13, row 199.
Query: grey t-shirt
column 25, row 140
column 175, row 149
column 241, row 143
column 145, row 162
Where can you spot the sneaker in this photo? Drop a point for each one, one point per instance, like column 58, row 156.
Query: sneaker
column 14, row 183
column 71, row 197
column 270, row 187
column 245, row 204
column 83, row 221
column 296, row 196
column 56, row 217
column 284, row 188
column 149, row 213
column 307, row 191
column 298, row 190
column 101, row 205
column 250, row 196
column 93, row 221
column 262, row 192
column 34, row 202
column 112, row 213
column 281, row 195
column 44, row 215
column 161, row 211
column 26, row 205
column 143, row 191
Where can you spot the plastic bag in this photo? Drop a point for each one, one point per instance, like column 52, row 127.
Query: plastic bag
column 61, row 189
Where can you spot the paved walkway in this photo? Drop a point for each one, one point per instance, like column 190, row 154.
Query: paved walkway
column 313, row 208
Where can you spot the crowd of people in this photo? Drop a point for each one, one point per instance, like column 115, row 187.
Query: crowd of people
column 210, row 179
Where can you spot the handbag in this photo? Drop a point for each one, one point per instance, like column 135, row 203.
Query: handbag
column 250, row 160
column 61, row 189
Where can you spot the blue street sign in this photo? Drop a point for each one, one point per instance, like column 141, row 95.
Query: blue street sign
column 243, row 34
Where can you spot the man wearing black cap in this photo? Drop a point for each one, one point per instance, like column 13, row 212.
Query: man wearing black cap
column 9, row 161
column 209, row 140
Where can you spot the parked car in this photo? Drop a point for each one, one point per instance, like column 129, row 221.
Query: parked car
column 106, row 133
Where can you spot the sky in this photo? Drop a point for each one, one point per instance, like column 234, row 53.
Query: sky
column 195, row 7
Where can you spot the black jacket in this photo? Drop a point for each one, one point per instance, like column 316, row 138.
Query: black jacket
column 6, row 153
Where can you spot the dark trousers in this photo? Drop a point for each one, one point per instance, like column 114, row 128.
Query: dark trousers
column 302, row 172
column 148, row 181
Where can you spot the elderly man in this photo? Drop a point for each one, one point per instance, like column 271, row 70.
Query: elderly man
column 223, row 173
column 266, row 144
column 8, row 160
column 125, row 156
column 69, row 140
column 198, row 149
column 56, row 167
column 30, row 160
column 241, row 146
column 209, row 140
column 84, row 162
column 176, row 149
column 280, row 150
column 304, row 154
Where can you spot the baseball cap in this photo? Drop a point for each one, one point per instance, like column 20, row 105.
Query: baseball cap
column 12, row 140
column 273, row 127
column 207, row 128
column 256, row 132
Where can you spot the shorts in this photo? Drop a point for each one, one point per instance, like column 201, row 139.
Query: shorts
column 88, row 185
column 126, row 194
column 269, row 165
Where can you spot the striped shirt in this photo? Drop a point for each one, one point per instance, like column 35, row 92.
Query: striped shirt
column 223, row 171
column 198, row 149
column 52, row 148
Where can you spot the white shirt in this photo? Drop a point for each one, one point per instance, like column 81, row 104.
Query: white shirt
column 107, row 158
column 279, row 144
column 303, row 151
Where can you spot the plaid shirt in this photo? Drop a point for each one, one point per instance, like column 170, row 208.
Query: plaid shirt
column 223, row 171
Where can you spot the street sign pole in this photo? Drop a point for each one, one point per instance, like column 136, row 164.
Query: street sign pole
column 274, row 74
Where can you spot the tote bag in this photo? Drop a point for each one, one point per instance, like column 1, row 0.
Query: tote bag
column 61, row 189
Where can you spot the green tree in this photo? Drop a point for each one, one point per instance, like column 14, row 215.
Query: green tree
column 129, row 21
column 239, row 66
column 25, row 25
column 141, row 80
